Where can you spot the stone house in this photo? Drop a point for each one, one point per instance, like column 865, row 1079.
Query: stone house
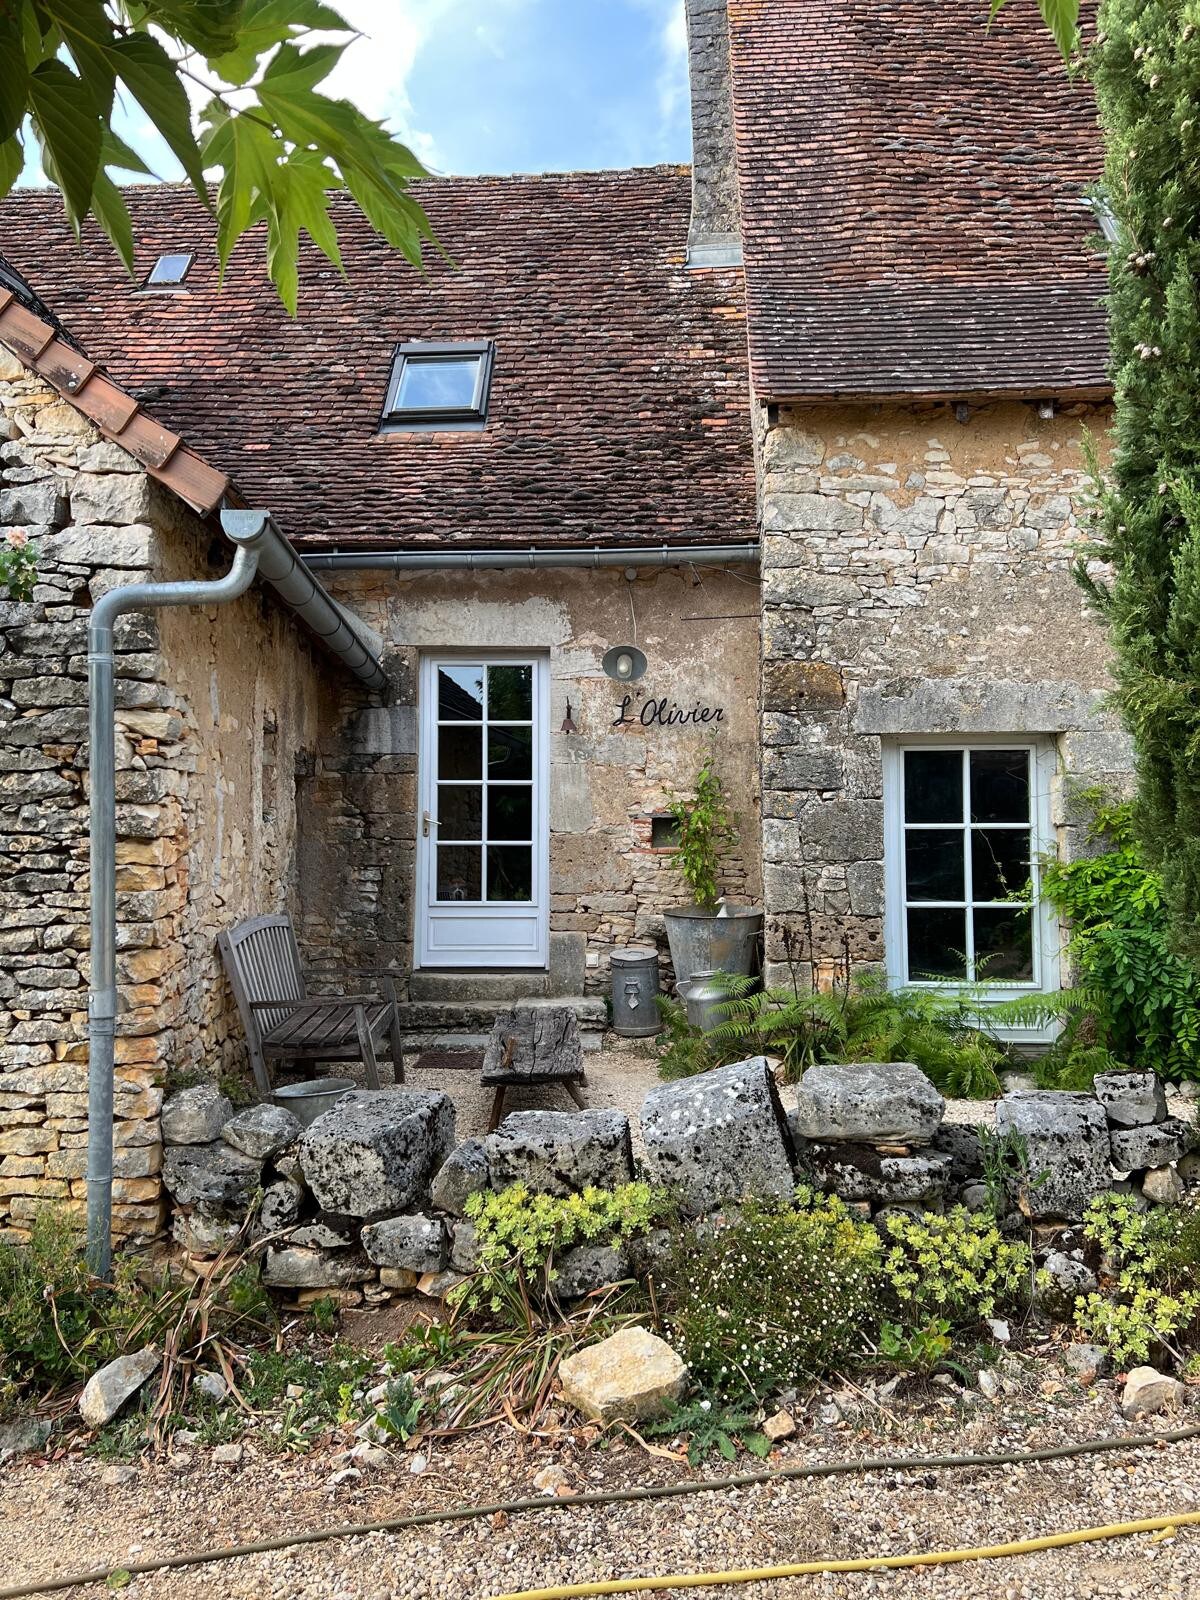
column 801, row 429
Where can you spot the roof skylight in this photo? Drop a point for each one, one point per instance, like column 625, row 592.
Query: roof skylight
column 439, row 386
column 170, row 270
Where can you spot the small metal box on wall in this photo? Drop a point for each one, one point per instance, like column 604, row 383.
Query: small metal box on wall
column 635, row 991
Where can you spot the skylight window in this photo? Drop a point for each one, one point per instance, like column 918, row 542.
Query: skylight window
column 170, row 270
column 439, row 386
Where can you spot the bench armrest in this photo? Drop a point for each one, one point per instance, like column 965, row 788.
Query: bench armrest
column 317, row 1002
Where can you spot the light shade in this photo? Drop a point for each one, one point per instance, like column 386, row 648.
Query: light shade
column 624, row 663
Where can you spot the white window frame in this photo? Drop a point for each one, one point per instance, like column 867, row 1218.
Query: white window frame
column 1047, row 978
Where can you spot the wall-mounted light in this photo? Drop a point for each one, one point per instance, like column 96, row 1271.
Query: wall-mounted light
column 624, row 663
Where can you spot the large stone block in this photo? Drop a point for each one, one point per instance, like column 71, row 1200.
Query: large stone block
column 865, row 1102
column 114, row 497
column 1131, row 1099
column 376, row 1151
column 261, row 1131
column 1066, row 1140
column 561, row 1152
column 802, row 686
column 463, row 1173
column 417, row 1243
column 213, row 1176
column 719, row 1137
column 1153, row 1145
column 196, row 1115
column 858, row 1172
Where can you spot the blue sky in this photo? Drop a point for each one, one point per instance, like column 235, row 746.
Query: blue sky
column 510, row 85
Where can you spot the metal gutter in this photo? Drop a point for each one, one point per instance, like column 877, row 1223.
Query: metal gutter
column 439, row 558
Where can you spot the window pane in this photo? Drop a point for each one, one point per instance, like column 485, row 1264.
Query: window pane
column 510, row 872
column 438, row 383
column 459, row 752
column 170, row 269
column 937, row 941
column 459, row 872
column 460, row 694
column 999, row 786
column 510, row 812
column 1000, row 864
column 510, row 752
column 1004, row 945
column 460, row 811
column 933, row 786
column 933, row 862
column 510, row 694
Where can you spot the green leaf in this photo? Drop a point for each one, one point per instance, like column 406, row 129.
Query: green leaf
column 89, row 35
column 294, row 72
column 64, row 111
column 108, row 207
column 12, row 159
column 153, row 79
column 116, row 153
column 245, row 150
column 264, row 24
column 1060, row 16
column 14, row 76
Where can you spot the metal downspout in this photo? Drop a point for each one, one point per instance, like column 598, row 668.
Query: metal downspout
column 102, row 998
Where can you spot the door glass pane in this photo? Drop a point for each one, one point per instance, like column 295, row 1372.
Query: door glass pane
column 1000, row 863
column 999, row 786
column 510, row 872
column 510, row 694
column 460, row 749
column 510, row 752
column 937, row 941
column 460, row 811
column 933, row 863
column 459, row 872
column 1004, row 945
column 933, row 786
column 460, row 694
column 510, row 811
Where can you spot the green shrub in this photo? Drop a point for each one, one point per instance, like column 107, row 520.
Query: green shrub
column 958, row 1266
column 774, row 1297
column 1137, row 1000
column 1152, row 1259
column 711, row 1427
column 705, row 830
column 520, row 1234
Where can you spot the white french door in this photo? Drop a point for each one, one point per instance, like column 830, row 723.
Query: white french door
column 483, row 832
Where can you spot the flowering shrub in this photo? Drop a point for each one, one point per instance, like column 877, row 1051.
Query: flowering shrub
column 18, row 565
column 520, row 1233
column 1153, row 1260
column 958, row 1266
column 772, row 1298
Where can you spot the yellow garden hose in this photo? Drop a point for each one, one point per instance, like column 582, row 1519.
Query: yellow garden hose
column 800, row 1569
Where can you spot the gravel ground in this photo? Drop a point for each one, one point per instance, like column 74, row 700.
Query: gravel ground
column 70, row 1515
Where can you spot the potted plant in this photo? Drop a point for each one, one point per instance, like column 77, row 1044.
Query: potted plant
column 710, row 935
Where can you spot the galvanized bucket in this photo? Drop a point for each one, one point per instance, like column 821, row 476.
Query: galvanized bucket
column 703, row 941
column 309, row 1100
column 635, row 990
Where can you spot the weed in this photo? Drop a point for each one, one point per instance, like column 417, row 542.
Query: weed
column 710, row 1426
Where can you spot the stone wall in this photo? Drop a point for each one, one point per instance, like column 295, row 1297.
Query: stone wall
column 206, row 699
column 699, row 631
column 916, row 579
column 713, row 234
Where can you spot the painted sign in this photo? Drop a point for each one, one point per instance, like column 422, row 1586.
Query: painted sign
column 665, row 713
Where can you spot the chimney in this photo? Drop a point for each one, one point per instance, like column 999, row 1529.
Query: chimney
column 714, row 238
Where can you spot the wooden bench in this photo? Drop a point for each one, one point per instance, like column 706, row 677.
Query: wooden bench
column 531, row 1045
column 283, row 1022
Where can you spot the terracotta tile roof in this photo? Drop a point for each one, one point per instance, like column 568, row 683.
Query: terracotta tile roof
column 43, row 348
column 619, row 401
column 911, row 191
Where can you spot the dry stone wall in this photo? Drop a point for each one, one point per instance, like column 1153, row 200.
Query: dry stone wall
column 212, row 708
column 916, row 579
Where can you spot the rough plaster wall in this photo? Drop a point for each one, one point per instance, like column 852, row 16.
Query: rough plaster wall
column 608, row 885
column 916, row 579
column 97, row 521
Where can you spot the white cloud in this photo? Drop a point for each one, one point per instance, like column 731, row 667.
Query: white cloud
column 671, row 79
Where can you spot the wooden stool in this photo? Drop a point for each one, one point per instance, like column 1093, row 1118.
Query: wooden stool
column 531, row 1045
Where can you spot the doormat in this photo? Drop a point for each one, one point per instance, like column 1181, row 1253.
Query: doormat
column 448, row 1061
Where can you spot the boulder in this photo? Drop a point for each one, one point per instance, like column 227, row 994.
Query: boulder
column 859, row 1172
column 1189, row 1168
column 720, row 1136
column 281, row 1204
column 326, row 1232
column 1066, row 1139
column 1152, row 1145
column 1085, row 1362
column 960, row 1141
column 588, row 1267
column 464, row 1247
column 294, row 1268
column 202, row 1235
column 1147, row 1392
column 864, row 1102
column 1131, row 1099
column 23, row 1437
column 376, row 1151
column 415, row 1242
column 215, row 1177
column 261, row 1131
column 630, row 1375
column 106, row 1391
column 196, row 1115
column 561, row 1152
column 1060, row 1279
column 463, row 1173
column 1163, row 1186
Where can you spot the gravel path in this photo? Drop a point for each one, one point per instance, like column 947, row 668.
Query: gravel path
column 70, row 1515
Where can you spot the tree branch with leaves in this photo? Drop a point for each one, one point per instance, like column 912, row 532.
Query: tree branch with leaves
column 278, row 146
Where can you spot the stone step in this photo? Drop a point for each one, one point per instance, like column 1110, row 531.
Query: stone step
column 467, row 1024
column 507, row 985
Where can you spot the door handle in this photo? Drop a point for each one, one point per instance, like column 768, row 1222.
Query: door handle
column 427, row 822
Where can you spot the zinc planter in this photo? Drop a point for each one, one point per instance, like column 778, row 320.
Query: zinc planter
column 710, row 941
